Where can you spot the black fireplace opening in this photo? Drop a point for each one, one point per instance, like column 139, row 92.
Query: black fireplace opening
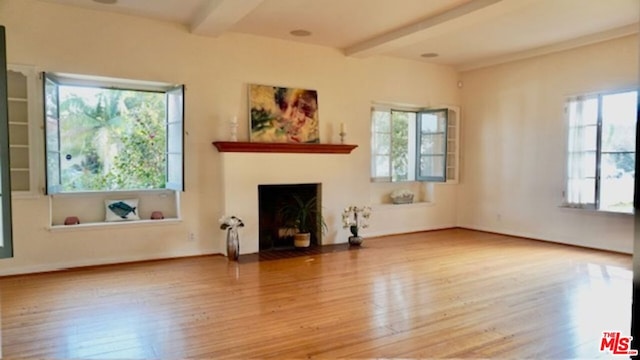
column 274, row 233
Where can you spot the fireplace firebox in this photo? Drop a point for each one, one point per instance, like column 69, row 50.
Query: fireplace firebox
column 274, row 233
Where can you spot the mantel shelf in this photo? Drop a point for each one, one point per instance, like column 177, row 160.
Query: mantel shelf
column 257, row 147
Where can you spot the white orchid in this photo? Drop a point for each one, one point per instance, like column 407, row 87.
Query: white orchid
column 230, row 222
column 356, row 218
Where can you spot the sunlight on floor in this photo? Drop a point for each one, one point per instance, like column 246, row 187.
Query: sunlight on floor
column 601, row 303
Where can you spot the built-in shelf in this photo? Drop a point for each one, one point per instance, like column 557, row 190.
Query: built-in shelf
column 257, row 147
column 114, row 224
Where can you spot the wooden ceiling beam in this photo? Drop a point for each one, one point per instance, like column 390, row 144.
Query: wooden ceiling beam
column 217, row 16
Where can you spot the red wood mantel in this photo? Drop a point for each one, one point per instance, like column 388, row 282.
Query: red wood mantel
column 257, row 147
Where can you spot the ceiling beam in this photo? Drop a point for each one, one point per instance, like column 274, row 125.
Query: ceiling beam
column 412, row 33
column 217, row 16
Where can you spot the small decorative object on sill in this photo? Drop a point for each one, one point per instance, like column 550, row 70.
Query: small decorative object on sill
column 72, row 220
column 402, row 196
column 157, row 215
column 231, row 224
column 355, row 218
column 121, row 210
column 343, row 132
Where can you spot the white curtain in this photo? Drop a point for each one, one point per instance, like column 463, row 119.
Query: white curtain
column 582, row 114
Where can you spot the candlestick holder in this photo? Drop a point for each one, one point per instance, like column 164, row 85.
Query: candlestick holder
column 234, row 129
column 342, row 136
column 234, row 132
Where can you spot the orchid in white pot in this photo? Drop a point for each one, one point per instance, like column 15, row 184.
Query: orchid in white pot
column 230, row 221
column 355, row 218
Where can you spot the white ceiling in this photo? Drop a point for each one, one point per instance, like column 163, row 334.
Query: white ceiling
column 465, row 33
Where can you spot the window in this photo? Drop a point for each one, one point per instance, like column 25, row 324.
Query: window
column 601, row 151
column 111, row 134
column 409, row 145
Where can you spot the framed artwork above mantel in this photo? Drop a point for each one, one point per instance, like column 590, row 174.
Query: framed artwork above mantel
column 283, row 115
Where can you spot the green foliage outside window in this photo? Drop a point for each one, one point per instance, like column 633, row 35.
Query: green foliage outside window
column 400, row 145
column 112, row 139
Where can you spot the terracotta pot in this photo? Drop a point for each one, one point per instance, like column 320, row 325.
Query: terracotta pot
column 72, row 220
column 302, row 240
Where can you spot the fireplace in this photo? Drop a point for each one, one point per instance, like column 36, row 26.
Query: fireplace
column 243, row 172
column 273, row 232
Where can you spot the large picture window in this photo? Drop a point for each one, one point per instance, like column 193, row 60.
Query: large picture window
column 111, row 134
column 409, row 145
column 601, row 151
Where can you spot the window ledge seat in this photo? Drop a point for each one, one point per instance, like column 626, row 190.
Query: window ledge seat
column 594, row 211
column 390, row 206
column 99, row 225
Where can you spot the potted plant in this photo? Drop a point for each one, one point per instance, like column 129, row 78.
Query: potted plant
column 355, row 218
column 305, row 216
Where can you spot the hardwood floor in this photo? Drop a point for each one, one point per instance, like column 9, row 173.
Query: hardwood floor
column 451, row 293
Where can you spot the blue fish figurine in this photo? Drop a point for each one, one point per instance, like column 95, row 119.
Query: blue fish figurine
column 122, row 209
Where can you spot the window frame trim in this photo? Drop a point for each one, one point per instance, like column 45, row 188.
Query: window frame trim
column 418, row 111
column 6, row 211
column 445, row 133
column 101, row 82
column 598, row 95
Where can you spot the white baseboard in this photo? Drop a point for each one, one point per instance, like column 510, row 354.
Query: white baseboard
column 409, row 230
column 31, row 269
column 536, row 237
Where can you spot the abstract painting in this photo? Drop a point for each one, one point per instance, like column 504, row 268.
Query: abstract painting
column 283, row 115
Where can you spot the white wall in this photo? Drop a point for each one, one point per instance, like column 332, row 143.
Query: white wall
column 216, row 72
column 514, row 144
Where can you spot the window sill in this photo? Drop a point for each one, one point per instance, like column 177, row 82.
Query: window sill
column 24, row 195
column 123, row 193
column 389, row 206
column 595, row 211
column 99, row 225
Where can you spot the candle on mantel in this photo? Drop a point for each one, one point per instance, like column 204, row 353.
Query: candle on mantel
column 234, row 128
column 343, row 132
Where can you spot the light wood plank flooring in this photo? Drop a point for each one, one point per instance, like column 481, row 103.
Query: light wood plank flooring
column 442, row 294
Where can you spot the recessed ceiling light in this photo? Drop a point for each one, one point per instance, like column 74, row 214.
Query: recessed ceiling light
column 300, row 32
column 107, row 2
column 429, row 55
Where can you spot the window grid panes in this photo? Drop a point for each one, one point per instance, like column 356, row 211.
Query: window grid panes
column 433, row 145
column 381, row 145
column 601, row 151
column 405, row 148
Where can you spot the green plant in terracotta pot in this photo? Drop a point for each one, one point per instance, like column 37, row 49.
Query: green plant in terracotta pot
column 305, row 215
